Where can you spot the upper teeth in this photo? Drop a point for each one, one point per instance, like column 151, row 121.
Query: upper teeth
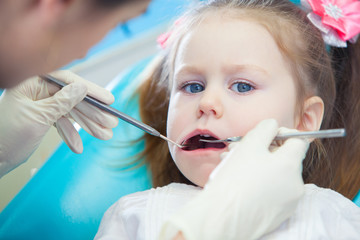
column 205, row 135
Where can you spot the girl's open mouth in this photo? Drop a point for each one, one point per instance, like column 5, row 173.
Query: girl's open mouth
column 194, row 143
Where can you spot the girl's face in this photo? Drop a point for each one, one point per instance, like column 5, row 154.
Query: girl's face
column 228, row 75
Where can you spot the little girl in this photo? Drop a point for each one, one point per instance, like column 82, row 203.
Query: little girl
column 228, row 65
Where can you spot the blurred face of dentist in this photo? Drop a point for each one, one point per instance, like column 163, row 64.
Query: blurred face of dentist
column 41, row 36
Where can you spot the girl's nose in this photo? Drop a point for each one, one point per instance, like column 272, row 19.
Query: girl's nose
column 210, row 105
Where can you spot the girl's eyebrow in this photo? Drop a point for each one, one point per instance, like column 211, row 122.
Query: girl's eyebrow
column 235, row 68
column 245, row 67
column 187, row 69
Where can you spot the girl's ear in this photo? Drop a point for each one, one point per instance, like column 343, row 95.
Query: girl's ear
column 312, row 114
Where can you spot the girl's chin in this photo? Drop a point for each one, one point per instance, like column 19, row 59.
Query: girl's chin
column 200, row 178
column 202, row 152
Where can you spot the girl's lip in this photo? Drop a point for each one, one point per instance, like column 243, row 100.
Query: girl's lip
column 203, row 151
column 199, row 132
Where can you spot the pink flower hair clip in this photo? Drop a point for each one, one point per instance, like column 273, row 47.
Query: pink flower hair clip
column 338, row 20
column 163, row 38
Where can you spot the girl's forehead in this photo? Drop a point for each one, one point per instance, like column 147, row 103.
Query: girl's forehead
column 239, row 35
column 221, row 20
column 221, row 46
column 228, row 14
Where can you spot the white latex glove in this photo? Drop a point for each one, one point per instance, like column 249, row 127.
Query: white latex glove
column 250, row 193
column 31, row 108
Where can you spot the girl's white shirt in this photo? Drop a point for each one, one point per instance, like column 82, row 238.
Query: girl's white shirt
column 320, row 214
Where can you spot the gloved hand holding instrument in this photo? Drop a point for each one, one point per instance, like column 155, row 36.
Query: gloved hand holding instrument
column 250, row 193
column 31, row 108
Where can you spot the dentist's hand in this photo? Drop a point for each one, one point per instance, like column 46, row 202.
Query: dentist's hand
column 31, row 108
column 250, row 193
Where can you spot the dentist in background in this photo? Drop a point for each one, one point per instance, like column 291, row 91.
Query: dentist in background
column 40, row 36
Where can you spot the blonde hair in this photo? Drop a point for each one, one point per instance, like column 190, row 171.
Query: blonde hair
column 302, row 45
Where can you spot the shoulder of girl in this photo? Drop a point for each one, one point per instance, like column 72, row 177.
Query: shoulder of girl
column 325, row 214
column 330, row 211
column 328, row 202
column 140, row 198
column 133, row 199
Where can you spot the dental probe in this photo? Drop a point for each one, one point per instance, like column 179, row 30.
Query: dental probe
column 113, row 111
column 329, row 133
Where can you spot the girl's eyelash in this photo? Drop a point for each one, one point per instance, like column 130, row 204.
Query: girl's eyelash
column 183, row 85
column 247, row 87
column 187, row 83
column 243, row 81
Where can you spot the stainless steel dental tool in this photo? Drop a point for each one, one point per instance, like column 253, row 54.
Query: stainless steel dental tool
column 330, row 133
column 113, row 111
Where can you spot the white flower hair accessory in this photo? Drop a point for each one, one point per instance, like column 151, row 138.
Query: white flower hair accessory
column 338, row 20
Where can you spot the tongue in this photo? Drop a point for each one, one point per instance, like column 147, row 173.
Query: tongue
column 194, row 143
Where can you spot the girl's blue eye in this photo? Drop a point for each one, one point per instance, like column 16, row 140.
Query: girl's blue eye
column 242, row 87
column 193, row 88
